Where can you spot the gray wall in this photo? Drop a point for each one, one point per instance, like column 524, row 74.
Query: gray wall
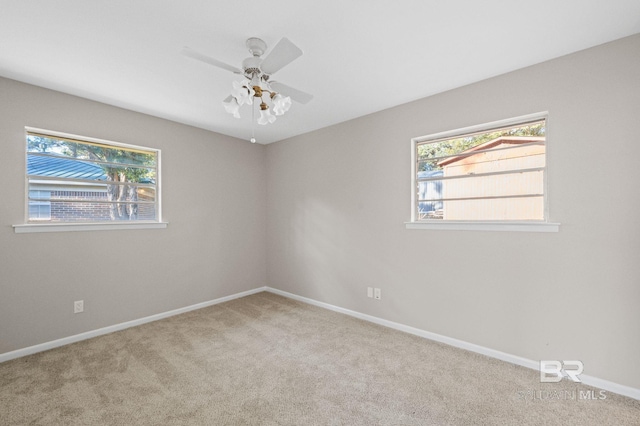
column 339, row 197
column 214, row 245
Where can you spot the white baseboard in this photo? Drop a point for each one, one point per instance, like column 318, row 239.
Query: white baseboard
column 117, row 327
column 587, row 380
column 513, row 359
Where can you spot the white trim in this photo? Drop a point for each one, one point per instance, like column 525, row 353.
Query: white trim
column 485, row 226
column 416, row 331
column 122, row 326
column 413, row 181
column 103, row 226
column 513, row 359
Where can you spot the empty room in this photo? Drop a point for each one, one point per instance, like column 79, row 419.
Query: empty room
column 319, row 213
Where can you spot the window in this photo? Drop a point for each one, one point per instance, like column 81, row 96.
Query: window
column 39, row 210
column 73, row 180
column 493, row 173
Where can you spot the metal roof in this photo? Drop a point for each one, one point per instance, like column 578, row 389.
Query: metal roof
column 40, row 165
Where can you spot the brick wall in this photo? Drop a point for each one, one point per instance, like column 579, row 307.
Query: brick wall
column 88, row 211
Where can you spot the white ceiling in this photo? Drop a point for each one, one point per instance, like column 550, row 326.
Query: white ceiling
column 360, row 56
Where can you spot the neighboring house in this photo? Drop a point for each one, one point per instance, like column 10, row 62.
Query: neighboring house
column 49, row 190
column 519, row 194
column 430, row 190
column 83, row 200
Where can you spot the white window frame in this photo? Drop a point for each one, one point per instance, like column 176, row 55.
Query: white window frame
column 30, row 227
column 523, row 226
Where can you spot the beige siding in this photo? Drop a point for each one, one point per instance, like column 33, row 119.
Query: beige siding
column 517, row 158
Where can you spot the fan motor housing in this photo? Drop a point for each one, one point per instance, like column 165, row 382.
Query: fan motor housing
column 251, row 65
column 256, row 46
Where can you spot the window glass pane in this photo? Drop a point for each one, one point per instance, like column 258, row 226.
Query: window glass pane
column 130, row 174
column 479, row 141
column 500, row 185
column 493, row 175
column 89, row 151
column 521, row 153
column 430, row 210
column 75, row 181
column 529, row 208
column 76, row 169
column 105, row 193
column 38, row 165
column 39, row 211
column 81, row 202
column 63, row 211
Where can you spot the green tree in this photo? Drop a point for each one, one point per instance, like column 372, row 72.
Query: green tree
column 429, row 154
column 42, row 144
column 136, row 167
column 118, row 192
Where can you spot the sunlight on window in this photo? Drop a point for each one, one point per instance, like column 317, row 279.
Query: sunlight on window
column 83, row 181
column 497, row 174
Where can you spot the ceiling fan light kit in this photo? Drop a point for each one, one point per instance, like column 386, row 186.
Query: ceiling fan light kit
column 257, row 72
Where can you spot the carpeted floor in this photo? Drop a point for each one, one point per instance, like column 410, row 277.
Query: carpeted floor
column 268, row 360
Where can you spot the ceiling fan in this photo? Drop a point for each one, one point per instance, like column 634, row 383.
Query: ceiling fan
column 257, row 72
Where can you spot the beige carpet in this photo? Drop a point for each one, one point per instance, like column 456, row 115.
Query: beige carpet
column 268, row 360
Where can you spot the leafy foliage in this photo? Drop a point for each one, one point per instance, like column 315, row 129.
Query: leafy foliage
column 42, row 144
column 429, row 154
column 136, row 167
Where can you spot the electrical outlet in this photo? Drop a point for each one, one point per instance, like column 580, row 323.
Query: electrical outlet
column 377, row 293
column 369, row 291
column 78, row 306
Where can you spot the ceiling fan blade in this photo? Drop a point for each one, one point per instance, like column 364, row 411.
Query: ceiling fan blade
column 295, row 94
column 186, row 51
column 282, row 54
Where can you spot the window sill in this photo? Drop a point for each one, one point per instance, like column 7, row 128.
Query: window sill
column 486, row 226
column 69, row 227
